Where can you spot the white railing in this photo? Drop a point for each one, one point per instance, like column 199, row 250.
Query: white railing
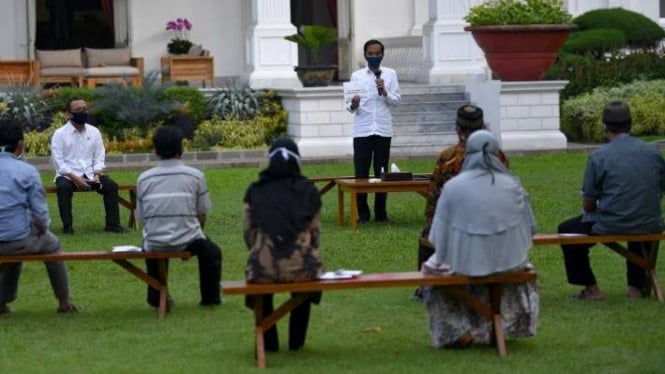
column 405, row 55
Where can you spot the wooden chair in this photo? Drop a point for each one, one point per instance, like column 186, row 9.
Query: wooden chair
column 17, row 72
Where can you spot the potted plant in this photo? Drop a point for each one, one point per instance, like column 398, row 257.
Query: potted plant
column 520, row 39
column 313, row 37
column 180, row 44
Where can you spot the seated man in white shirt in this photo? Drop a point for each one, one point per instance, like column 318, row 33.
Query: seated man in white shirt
column 78, row 154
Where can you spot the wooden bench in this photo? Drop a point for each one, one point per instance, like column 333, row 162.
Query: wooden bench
column 491, row 310
column 122, row 259
column 129, row 204
column 647, row 261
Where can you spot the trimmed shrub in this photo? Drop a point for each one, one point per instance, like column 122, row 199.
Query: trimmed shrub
column 594, row 41
column 187, row 100
column 581, row 117
column 228, row 133
column 640, row 31
column 59, row 97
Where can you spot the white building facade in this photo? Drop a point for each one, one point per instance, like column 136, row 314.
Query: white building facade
column 425, row 42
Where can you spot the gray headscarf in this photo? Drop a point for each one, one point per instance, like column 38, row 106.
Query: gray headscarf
column 482, row 152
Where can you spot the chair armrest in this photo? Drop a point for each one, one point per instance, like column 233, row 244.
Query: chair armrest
column 36, row 68
column 137, row 62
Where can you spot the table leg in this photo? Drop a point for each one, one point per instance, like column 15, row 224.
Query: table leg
column 354, row 209
column 340, row 206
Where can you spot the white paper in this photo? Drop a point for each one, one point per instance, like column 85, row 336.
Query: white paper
column 352, row 89
column 394, row 168
column 126, row 248
column 340, row 274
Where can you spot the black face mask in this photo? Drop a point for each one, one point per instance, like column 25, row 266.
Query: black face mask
column 80, row 118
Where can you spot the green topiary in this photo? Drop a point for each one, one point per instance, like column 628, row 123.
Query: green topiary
column 640, row 31
column 594, row 41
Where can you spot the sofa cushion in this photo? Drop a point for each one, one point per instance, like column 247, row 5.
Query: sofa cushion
column 107, row 57
column 112, row 71
column 62, row 72
column 61, row 58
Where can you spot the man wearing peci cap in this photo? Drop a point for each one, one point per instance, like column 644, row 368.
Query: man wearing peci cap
column 469, row 119
column 623, row 184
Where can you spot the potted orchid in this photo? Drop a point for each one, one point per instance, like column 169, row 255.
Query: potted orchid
column 180, row 44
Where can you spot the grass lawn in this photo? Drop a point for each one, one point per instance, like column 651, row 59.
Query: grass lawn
column 351, row 331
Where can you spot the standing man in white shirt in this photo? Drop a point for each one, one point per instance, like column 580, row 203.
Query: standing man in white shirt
column 372, row 124
column 78, row 155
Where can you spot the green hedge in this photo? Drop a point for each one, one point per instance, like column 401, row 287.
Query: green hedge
column 639, row 30
column 581, row 117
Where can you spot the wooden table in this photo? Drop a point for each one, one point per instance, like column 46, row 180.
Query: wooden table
column 356, row 186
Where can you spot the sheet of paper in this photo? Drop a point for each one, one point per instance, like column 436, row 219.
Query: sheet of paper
column 352, row 89
column 126, row 248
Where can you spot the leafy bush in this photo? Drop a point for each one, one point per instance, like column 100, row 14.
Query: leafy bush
column 132, row 107
column 59, row 97
column 594, row 41
column 187, row 100
column 38, row 143
column 131, row 143
column 229, row 133
column 23, row 103
column 517, row 12
column 237, row 99
column 639, row 30
column 581, row 117
column 272, row 117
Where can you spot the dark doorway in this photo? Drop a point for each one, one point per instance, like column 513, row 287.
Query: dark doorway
column 316, row 12
column 66, row 24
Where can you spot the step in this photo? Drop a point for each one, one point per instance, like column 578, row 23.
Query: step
column 419, row 89
column 419, row 117
column 428, row 106
column 424, row 127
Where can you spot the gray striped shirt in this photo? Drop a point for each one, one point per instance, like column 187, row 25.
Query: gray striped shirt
column 170, row 197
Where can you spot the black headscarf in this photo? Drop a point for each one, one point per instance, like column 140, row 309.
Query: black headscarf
column 282, row 201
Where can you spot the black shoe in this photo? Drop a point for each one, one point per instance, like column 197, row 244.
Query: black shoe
column 363, row 221
column 67, row 230
column 382, row 219
column 115, row 228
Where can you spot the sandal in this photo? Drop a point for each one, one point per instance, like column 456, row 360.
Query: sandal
column 462, row 342
column 585, row 294
column 71, row 308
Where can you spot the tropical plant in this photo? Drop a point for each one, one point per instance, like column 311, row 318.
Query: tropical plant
column 23, row 103
column 313, row 37
column 187, row 100
column 133, row 107
column 517, row 12
column 236, row 99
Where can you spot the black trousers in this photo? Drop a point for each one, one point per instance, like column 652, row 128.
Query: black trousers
column 298, row 323
column 65, row 190
column 364, row 150
column 424, row 252
column 209, row 256
column 578, row 265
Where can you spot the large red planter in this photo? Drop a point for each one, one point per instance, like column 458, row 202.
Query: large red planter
column 520, row 52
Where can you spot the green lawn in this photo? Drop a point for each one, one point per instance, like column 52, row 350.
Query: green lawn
column 351, row 331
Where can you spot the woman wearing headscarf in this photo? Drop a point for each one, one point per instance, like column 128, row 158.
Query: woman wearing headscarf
column 281, row 230
column 483, row 225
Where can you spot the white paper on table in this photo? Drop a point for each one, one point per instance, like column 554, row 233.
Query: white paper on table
column 352, row 89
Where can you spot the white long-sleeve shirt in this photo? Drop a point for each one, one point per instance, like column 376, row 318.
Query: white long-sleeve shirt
column 372, row 117
column 78, row 152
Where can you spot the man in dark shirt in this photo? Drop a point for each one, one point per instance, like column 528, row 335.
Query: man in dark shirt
column 623, row 184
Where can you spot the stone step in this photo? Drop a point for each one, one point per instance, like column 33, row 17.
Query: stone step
column 419, row 89
column 438, row 127
column 414, row 98
column 428, row 106
column 420, row 117
column 437, row 139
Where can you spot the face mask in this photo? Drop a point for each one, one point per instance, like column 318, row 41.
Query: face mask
column 373, row 61
column 80, row 118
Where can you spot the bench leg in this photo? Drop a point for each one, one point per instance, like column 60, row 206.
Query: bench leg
column 647, row 262
column 340, row 206
column 158, row 284
column 497, row 329
column 258, row 321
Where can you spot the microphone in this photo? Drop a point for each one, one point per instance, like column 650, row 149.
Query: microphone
column 377, row 74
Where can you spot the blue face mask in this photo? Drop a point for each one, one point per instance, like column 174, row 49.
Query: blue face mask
column 373, row 61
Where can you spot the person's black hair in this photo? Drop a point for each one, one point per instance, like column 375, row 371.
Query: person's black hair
column 11, row 133
column 68, row 106
column 372, row 42
column 168, row 142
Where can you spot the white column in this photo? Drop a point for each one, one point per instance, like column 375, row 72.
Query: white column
column 270, row 57
column 577, row 7
column 419, row 17
column 451, row 55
